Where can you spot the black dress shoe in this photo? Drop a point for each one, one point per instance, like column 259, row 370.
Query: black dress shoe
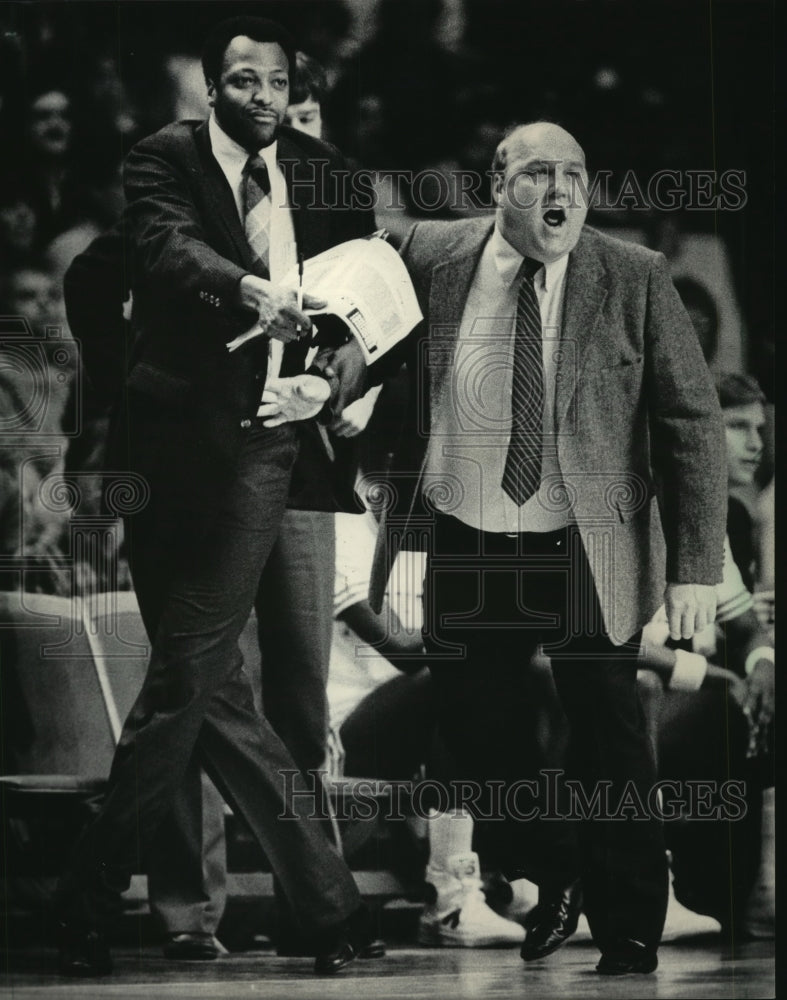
column 627, row 957
column 340, row 945
column 553, row 921
column 188, row 947
column 82, row 951
column 82, row 909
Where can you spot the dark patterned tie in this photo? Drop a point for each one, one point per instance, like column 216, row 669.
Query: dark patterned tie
column 256, row 197
column 522, row 473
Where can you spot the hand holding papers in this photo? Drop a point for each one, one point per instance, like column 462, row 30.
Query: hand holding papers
column 280, row 313
column 366, row 285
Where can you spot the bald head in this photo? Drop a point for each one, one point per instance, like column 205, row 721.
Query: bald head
column 541, row 135
column 539, row 181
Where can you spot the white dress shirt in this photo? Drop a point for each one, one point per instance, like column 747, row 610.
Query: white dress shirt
column 471, row 426
column 283, row 252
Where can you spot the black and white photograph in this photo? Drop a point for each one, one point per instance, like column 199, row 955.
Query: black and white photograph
column 387, row 499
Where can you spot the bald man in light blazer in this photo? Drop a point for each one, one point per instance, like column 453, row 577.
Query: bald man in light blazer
column 629, row 512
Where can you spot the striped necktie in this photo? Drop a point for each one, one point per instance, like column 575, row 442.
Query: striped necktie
column 522, row 472
column 256, row 198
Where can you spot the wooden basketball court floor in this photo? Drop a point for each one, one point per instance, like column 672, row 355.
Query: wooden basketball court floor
column 693, row 967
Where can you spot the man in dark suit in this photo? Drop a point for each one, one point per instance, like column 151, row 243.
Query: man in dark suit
column 187, row 869
column 217, row 212
column 562, row 461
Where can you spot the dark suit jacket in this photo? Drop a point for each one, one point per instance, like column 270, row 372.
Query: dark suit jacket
column 183, row 250
column 640, row 436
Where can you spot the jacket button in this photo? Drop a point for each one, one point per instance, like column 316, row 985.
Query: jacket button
column 245, row 423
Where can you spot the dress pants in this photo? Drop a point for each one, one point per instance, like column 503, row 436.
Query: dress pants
column 703, row 736
column 390, row 734
column 196, row 569
column 489, row 600
column 187, row 872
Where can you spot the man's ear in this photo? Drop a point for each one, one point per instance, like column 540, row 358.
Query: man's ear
column 211, row 93
column 497, row 186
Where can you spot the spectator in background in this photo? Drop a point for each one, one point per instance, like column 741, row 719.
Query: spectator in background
column 37, row 369
column 308, row 92
column 40, row 375
column 750, row 511
column 45, row 376
column 47, row 160
column 18, row 227
column 712, row 723
column 62, row 181
column 743, row 407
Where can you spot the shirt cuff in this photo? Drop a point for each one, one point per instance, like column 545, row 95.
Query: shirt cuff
column 760, row 653
column 689, row 671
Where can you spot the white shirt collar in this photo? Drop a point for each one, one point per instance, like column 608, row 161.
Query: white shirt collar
column 508, row 261
column 225, row 148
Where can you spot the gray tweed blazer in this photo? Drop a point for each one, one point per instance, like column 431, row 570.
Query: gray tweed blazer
column 640, row 435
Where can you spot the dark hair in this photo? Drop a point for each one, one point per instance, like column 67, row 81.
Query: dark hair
column 259, row 29
column 739, row 390
column 308, row 81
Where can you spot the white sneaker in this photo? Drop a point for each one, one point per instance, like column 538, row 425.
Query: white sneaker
column 460, row 917
column 682, row 922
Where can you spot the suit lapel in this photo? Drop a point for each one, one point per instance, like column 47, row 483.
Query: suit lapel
column 584, row 297
column 307, row 192
column 450, row 287
column 221, row 200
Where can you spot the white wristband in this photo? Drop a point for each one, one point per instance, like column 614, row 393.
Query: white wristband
column 760, row 653
column 689, row 671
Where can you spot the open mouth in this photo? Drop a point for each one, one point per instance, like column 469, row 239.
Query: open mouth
column 555, row 217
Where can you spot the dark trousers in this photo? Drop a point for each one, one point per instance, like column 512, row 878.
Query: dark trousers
column 703, row 738
column 196, row 572
column 489, row 601
column 187, row 872
column 390, row 734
